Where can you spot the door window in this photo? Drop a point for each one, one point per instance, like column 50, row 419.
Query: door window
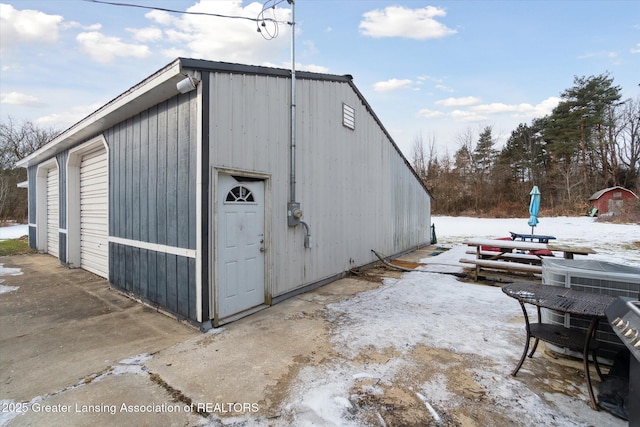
column 239, row 194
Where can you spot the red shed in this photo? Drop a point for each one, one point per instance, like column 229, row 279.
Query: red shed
column 611, row 199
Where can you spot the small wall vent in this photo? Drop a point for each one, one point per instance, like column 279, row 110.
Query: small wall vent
column 348, row 116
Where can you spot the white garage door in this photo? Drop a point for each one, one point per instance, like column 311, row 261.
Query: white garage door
column 94, row 226
column 52, row 212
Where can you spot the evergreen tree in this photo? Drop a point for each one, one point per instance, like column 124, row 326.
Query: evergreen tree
column 579, row 123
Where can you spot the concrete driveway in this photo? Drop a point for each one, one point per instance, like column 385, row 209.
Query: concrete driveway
column 65, row 339
column 76, row 352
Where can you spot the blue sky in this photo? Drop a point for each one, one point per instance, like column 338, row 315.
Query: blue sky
column 432, row 69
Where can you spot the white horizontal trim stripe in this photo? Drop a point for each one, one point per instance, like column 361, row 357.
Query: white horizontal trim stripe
column 62, row 230
column 172, row 250
column 32, row 225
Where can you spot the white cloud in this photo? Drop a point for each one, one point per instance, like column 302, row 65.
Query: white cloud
column 67, row 118
column 75, row 24
column 104, row 49
column 464, row 101
column 425, row 78
column 27, row 26
column 399, row 21
column 636, row 48
column 174, row 52
column 160, row 17
column 312, row 68
column 471, row 113
column 429, row 114
column 439, row 83
column 309, row 47
column 498, row 107
column 545, row 107
column 467, row 116
column 520, row 110
column 391, row 85
column 148, row 34
column 444, row 88
column 601, row 54
column 20, row 99
column 223, row 39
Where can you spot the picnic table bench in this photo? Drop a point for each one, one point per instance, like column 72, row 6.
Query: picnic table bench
column 516, row 255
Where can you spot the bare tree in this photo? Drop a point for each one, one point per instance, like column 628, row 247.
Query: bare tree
column 4, row 191
column 17, row 141
column 418, row 158
column 628, row 141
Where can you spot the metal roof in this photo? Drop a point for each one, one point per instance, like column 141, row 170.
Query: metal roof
column 598, row 194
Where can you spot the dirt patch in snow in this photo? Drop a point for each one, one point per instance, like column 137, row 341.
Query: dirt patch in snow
column 430, row 387
column 402, row 401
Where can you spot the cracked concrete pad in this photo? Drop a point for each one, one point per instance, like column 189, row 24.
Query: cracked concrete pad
column 64, row 325
column 254, row 359
column 127, row 399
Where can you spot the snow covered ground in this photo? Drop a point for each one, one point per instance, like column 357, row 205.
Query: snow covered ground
column 426, row 309
column 612, row 242
column 13, row 231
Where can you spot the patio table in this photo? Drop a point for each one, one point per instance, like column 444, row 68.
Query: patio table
column 531, row 237
column 565, row 300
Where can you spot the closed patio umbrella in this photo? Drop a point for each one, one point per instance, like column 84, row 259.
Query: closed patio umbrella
column 534, row 207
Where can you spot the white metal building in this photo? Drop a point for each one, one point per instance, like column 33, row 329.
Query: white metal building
column 186, row 190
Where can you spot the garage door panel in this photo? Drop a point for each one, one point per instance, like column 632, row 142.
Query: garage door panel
column 95, row 184
column 53, row 212
column 94, row 206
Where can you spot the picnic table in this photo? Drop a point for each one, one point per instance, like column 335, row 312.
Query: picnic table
column 516, row 255
column 565, row 300
column 540, row 238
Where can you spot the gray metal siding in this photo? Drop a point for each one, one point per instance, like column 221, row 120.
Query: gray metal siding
column 163, row 280
column 62, row 204
column 62, row 245
column 356, row 190
column 152, row 199
column 62, row 188
column 31, row 201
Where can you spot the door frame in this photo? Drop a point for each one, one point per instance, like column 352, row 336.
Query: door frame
column 213, row 239
column 73, row 197
column 42, row 220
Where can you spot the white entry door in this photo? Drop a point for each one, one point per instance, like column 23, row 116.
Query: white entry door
column 240, row 242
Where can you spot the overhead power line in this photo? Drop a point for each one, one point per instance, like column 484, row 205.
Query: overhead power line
column 259, row 20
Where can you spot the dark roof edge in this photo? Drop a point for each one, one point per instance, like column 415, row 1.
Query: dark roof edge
column 228, row 67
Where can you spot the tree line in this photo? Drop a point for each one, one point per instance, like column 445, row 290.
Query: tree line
column 590, row 141
column 17, row 141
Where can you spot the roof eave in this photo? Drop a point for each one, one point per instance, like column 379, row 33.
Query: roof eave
column 151, row 91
